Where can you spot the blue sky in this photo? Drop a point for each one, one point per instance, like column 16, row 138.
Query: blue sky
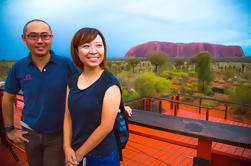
column 126, row 23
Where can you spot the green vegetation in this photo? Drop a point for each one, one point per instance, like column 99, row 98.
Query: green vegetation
column 190, row 88
column 171, row 74
column 193, row 76
column 157, row 59
column 203, row 69
column 128, row 95
column 179, row 63
column 234, row 59
column 148, row 84
column 5, row 67
column 192, row 73
column 241, row 95
column 133, row 62
column 228, row 90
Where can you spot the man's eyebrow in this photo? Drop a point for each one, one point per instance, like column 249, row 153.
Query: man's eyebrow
column 39, row 33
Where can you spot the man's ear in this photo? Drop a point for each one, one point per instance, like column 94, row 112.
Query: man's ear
column 24, row 39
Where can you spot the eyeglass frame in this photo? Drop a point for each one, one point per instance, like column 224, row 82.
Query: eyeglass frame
column 39, row 35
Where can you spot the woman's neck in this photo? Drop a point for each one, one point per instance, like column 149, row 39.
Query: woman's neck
column 88, row 77
column 92, row 72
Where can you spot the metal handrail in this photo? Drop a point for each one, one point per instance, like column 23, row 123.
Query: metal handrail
column 208, row 98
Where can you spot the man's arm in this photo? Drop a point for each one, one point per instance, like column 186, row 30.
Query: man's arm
column 8, row 110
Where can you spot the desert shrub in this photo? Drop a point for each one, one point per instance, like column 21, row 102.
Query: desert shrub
column 128, row 95
column 5, row 67
column 209, row 103
column 187, row 99
column 171, row 74
column 175, row 81
column 228, row 90
column 191, row 88
column 148, row 84
column 192, row 73
column 241, row 95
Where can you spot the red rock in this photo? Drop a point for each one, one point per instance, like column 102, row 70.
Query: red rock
column 185, row 50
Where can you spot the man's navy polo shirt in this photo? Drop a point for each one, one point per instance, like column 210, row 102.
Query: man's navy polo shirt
column 44, row 91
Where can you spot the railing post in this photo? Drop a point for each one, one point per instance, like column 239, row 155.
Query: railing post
column 207, row 115
column 160, row 106
column 177, row 99
column 143, row 104
column 150, row 105
column 226, row 111
column 204, row 154
column 200, row 105
column 172, row 103
column 175, row 109
column 147, row 105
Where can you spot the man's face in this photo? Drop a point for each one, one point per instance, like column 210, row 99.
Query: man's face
column 38, row 38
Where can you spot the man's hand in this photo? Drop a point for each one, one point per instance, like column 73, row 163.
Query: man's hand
column 16, row 136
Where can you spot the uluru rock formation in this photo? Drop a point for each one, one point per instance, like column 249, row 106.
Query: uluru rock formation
column 185, row 50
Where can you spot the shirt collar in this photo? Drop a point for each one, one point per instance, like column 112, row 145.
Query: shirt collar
column 52, row 59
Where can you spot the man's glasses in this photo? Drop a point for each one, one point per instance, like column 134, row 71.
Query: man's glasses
column 35, row 36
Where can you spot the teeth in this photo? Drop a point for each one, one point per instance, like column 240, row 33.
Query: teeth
column 93, row 58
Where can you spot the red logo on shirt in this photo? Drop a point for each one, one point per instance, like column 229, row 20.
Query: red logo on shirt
column 27, row 77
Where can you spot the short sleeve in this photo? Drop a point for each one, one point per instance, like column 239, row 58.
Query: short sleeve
column 12, row 84
column 112, row 80
column 72, row 80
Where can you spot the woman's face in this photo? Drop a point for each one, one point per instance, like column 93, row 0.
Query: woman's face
column 92, row 54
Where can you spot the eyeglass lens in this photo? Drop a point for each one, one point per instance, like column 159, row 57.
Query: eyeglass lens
column 35, row 36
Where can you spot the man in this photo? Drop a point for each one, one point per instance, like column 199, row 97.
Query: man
column 42, row 76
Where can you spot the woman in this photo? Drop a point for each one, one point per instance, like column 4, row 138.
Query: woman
column 93, row 99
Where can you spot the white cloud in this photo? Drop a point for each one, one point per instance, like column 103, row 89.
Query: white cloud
column 244, row 43
column 179, row 10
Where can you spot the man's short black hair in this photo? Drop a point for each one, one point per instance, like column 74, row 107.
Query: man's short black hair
column 25, row 26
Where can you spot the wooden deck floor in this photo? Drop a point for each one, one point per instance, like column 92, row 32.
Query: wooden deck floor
column 141, row 150
column 6, row 159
